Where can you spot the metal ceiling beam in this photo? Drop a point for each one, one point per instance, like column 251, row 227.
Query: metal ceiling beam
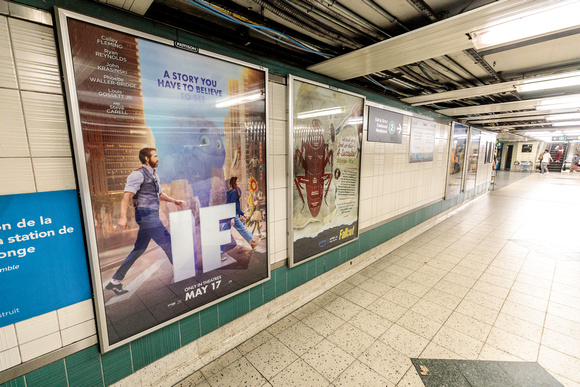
column 480, row 90
column 523, row 118
column 498, row 107
column 435, row 40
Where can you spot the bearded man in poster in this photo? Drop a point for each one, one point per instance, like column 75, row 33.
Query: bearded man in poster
column 144, row 190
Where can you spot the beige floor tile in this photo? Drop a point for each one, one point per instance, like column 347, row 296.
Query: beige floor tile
column 370, row 323
column 299, row 374
column 441, row 298
column 271, row 357
column 497, row 281
column 565, row 381
column 531, row 289
column 387, row 309
column 419, row 324
column 387, row 361
column 413, row 288
column 411, row 379
column 435, row 351
column 351, row 339
column 388, row 278
column 328, row 359
column 484, row 299
column 342, row 288
column 195, row 380
column 451, row 288
column 283, row 324
column 559, row 363
column 491, row 289
column 459, row 343
column 529, row 301
column 375, row 287
column 239, row 373
column 404, row 341
column 568, row 345
column 516, row 345
column 572, row 301
column 460, row 279
column 478, row 312
column 326, row 298
column 399, row 297
column 410, row 264
column 323, row 322
column 564, row 311
column 424, row 278
column 441, row 264
column 343, row 308
column 432, row 310
column 254, row 342
column 361, row 375
column 305, row 310
column 519, row 327
column 562, row 325
column 299, row 338
column 357, row 279
column 398, row 270
column 491, row 353
column 468, row 326
column 360, row 297
column 221, row 362
column 524, row 313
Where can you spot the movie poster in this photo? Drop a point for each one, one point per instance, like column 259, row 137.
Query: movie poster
column 456, row 160
column 170, row 145
column 325, row 152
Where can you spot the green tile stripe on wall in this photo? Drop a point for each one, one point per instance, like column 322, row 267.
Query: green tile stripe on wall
column 84, row 368
column 233, row 307
column 256, row 297
column 209, row 319
column 189, row 329
column 18, row 382
column 117, row 364
column 154, row 346
column 51, row 375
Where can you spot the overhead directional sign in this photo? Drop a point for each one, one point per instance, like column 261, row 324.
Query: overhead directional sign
column 385, row 126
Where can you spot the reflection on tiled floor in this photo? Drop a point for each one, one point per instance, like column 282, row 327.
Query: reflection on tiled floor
column 497, row 281
column 482, row 373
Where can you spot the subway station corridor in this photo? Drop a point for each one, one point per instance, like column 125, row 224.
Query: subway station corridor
column 489, row 296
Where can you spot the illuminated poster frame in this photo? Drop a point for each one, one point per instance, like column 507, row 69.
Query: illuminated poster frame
column 472, row 159
column 422, row 140
column 457, row 145
column 206, row 116
column 325, row 143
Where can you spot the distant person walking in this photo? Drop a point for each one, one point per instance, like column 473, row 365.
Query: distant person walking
column 546, row 158
column 575, row 162
column 559, row 152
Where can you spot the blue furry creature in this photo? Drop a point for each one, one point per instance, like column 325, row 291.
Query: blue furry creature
column 191, row 148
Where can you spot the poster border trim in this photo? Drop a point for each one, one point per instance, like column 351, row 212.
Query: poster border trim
column 290, row 165
column 77, row 143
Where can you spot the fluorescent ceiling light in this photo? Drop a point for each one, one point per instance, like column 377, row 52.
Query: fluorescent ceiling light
column 543, row 21
column 355, row 121
column 550, row 84
column 556, row 106
column 320, row 112
column 567, row 123
column 239, row 99
column 559, row 117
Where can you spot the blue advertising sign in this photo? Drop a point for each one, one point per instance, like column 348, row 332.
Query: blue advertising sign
column 43, row 265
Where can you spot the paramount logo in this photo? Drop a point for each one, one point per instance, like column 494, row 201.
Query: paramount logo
column 186, row 47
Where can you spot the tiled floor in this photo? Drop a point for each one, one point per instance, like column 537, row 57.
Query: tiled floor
column 499, row 280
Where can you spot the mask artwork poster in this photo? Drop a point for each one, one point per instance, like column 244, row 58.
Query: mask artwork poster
column 171, row 156
column 325, row 145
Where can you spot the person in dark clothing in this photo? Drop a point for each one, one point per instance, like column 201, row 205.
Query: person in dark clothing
column 144, row 190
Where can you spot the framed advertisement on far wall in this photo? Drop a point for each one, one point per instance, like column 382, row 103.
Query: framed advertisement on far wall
column 170, row 150
column 325, row 142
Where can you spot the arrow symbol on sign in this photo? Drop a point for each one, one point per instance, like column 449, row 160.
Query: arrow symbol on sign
column 399, row 128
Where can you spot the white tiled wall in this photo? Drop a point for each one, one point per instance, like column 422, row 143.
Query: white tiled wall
column 390, row 185
column 35, row 156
